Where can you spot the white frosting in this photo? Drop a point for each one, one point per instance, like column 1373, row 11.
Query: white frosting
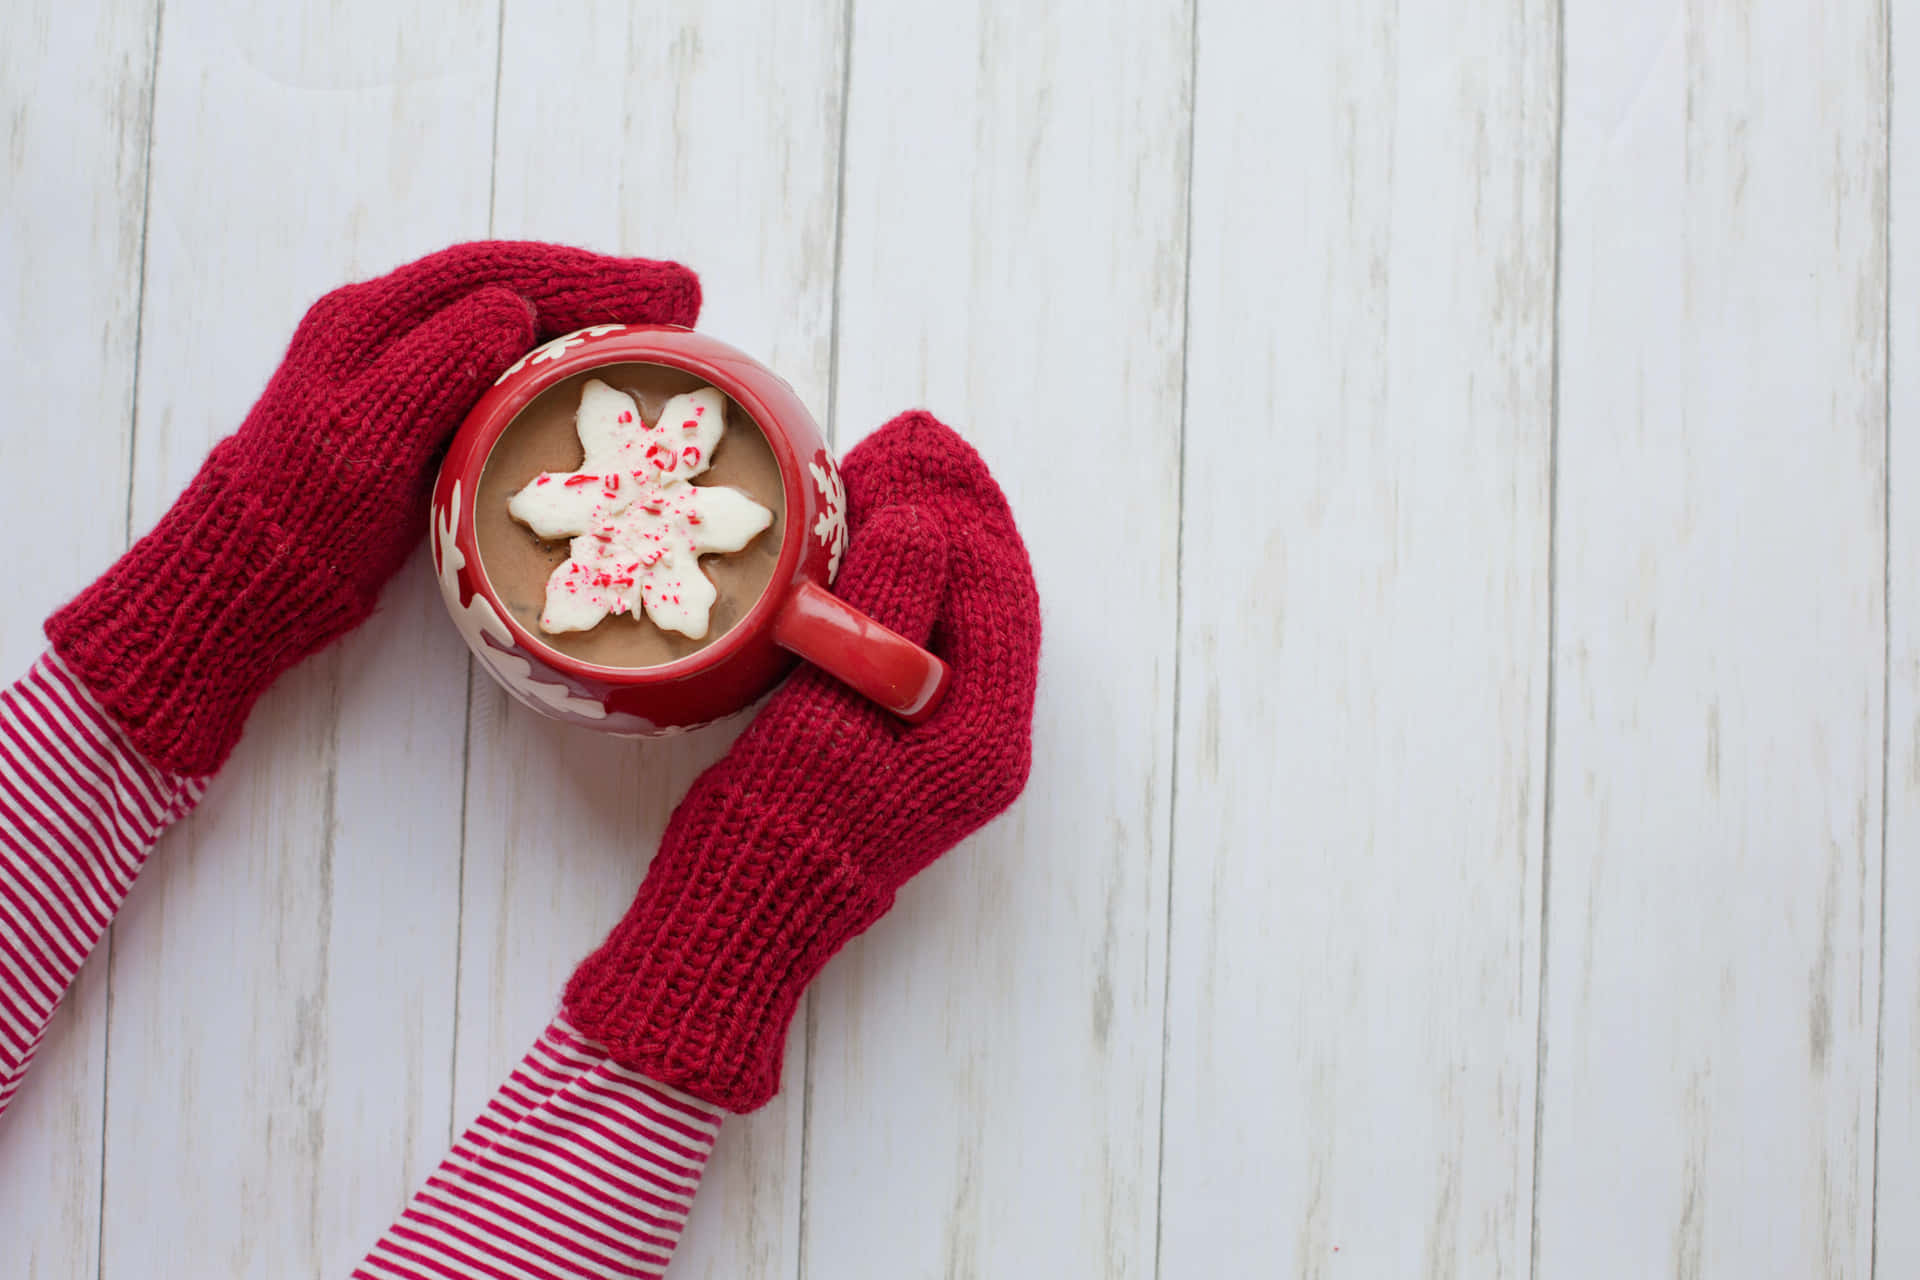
column 638, row 527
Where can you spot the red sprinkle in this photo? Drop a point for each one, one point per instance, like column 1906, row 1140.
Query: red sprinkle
column 626, row 415
column 699, row 409
column 580, row 479
column 543, row 479
column 692, row 454
column 689, row 425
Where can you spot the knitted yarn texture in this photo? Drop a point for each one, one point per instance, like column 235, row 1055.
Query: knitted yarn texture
column 796, row 840
column 283, row 540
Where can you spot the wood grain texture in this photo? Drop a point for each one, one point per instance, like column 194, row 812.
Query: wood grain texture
column 1335, row 512
column 74, row 92
column 283, row 989
column 708, row 133
column 1357, row 837
column 986, row 1062
column 1715, row 843
column 1897, row 1144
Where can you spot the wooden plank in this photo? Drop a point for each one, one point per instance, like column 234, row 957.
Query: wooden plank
column 75, row 85
column 986, row 1061
column 1357, row 843
column 283, row 992
column 1713, row 920
column 1897, row 1141
column 707, row 131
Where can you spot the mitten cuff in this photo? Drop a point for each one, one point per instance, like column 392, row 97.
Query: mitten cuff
column 185, row 632
column 697, row 986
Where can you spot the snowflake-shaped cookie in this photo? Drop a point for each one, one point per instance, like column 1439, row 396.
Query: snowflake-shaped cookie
column 638, row 527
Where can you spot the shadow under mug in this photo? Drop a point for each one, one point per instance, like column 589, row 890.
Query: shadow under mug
column 795, row 617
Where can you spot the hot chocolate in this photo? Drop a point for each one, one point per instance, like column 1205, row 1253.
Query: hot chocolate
column 653, row 556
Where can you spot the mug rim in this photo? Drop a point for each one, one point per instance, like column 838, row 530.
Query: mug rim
column 675, row 347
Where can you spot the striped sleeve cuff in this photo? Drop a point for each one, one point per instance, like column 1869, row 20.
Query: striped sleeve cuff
column 79, row 809
column 578, row 1169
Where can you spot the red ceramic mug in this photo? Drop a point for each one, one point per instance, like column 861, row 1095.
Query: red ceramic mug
column 795, row 617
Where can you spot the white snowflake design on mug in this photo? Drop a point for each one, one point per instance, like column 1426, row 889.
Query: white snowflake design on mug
column 831, row 527
column 558, row 347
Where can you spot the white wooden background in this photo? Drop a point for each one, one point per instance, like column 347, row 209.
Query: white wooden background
column 1469, row 454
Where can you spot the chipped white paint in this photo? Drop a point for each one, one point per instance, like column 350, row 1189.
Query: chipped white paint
column 1897, row 1251
column 1362, row 766
column 74, row 84
column 1713, row 923
column 1363, row 681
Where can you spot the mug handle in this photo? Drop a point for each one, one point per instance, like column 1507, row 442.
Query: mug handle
column 879, row 664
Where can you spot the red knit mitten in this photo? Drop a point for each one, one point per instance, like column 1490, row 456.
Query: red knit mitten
column 283, row 540
column 798, row 838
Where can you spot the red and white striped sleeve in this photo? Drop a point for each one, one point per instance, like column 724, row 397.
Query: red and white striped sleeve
column 577, row 1170
column 79, row 810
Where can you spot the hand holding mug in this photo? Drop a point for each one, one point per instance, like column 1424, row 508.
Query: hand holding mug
column 283, row 540
column 796, row 840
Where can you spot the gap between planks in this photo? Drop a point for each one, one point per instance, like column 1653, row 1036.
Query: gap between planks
column 133, row 436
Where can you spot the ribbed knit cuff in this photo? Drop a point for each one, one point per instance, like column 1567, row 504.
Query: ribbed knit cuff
column 183, row 634
column 697, row 986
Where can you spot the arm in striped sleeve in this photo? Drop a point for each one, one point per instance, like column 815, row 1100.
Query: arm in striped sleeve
column 578, row 1169
column 79, row 809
